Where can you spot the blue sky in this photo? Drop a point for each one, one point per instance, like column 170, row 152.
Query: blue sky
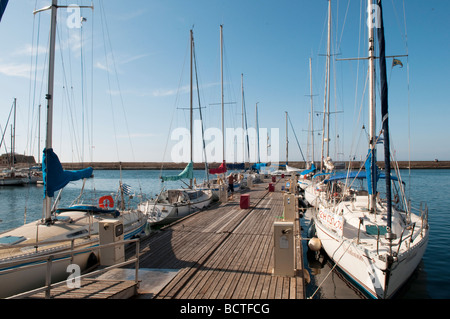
column 137, row 53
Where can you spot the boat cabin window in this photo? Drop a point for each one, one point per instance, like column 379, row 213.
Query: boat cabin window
column 77, row 233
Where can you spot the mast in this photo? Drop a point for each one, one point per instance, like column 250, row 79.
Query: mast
column 326, row 101
column 191, row 104
column 13, row 135
column 312, row 111
column 243, row 130
column 384, row 113
column 328, row 77
column 47, row 202
column 287, row 139
column 257, row 133
column 49, row 97
column 372, row 125
column 221, row 95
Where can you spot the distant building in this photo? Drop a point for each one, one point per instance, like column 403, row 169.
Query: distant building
column 5, row 159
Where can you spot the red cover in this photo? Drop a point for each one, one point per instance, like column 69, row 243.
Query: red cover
column 220, row 170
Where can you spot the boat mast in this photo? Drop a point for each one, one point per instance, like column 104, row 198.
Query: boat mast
column 312, row 111
column 372, row 125
column 243, row 130
column 47, row 202
column 257, row 134
column 221, row 95
column 13, row 135
column 326, row 101
column 49, row 97
column 191, row 111
column 287, row 140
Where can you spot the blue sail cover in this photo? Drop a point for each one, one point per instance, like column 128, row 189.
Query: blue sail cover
column 311, row 170
column 257, row 166
column 55, row 177
column 232, row 166
column 371, row 183
column 3, row 4
column 187, row 173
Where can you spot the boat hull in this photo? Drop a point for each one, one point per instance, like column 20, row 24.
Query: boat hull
column 159, row 214
column 366, row 271
column 18, row 273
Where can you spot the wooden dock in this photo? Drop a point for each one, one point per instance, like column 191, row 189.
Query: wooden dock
column 223, row 252
column 226, row 252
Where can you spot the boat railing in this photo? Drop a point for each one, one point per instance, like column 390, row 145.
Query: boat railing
column 43, row 247
column 52, row 257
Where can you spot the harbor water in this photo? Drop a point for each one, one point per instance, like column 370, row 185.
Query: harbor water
column 430, row 281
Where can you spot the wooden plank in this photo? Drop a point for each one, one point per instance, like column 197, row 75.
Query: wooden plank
column 225, row 252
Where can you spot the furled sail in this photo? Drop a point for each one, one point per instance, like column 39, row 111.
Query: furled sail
column 220, row 170
column 3, row 4
column 236, row 166
column 187, row 173
column 55, row 177
column 312, row 169
column 384, row 114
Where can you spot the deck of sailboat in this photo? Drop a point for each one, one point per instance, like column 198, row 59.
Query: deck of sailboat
column 225, row 252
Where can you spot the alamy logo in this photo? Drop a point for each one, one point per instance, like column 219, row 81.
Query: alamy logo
column 73, row 281
column 374, row 17
column 235, row 139
column 74, row 20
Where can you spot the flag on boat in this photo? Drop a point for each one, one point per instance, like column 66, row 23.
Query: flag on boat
column 187, row 173
column 55, row 177
column 126, row 189
column 397, row 62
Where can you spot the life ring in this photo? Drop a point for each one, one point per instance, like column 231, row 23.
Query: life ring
column 106, row 201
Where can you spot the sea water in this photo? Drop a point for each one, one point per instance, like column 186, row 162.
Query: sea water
column 430, row 280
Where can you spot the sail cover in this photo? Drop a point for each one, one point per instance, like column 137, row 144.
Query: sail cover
column 258, row 166
column 384, row 114
column 311, row 170
column 236, row 166
column 187, row 173
column 3, row 4
column 55, row 177
column 220, row 170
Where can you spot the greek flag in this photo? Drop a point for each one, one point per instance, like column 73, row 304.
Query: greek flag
column 126, row 189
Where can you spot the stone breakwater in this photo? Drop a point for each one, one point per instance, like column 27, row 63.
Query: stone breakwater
column 199, row 166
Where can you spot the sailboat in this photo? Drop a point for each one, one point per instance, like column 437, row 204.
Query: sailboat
column 11, row 176
column 215, row 184
column 312, row 181
column 25, row 249
column 377, row 242
column 174, row 204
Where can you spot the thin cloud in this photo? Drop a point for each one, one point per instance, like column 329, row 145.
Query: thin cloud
column 16, row 69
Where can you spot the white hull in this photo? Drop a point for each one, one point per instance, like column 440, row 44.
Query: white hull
column 361, row 261
column 28, row 278
column 165, row 213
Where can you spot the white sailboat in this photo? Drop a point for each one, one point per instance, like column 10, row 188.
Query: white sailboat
column 60, row 230
column 174, row 204
column 11, row 176
column 378, row 242
column 215, row 184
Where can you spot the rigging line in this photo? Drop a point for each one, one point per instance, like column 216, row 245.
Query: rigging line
column 70, row 102
column 409, row 100
column 200, row 110
column 301, row 152
column 174, row 107
column 118, row 86
column 31, row 106
column 103, row 22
